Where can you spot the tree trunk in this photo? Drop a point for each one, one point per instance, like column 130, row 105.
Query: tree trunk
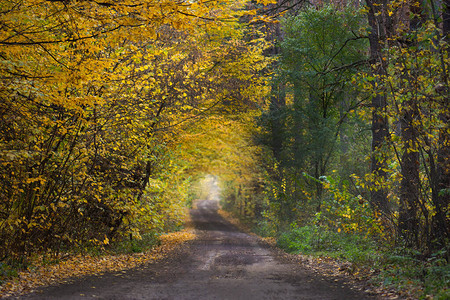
column 441, row 189
column 441, row 186
column 408, row 223
column 380, row 28
column 277, row 100
column 277, row 125
column 446, row 20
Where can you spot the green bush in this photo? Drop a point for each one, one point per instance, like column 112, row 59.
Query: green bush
column 9, row 268
column 297, row 240
column 148, row 241
column 321, row 241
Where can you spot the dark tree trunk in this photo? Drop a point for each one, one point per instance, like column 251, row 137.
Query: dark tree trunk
column 380, row 27
column 441, row 182
column 408, row 223
column 277, row 124
column 277, row 100
column 446, row 19
column 441, row 189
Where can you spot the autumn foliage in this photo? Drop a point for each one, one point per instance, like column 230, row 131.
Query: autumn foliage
column 324, row 121
column 94, row 99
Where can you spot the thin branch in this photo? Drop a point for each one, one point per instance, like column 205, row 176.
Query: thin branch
column 354, row 64
column 342, row 48
column 190, row 118
column 64, row 41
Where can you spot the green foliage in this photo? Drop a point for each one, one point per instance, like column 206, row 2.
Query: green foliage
column 401, row 268
column 319, row 240
column 316, row 137
column 133, row 245
column 8, row 271
column 415, row 83
column 316, row 66
column 317, row 128
column 298, row 239
column 344, row 208
column 404, row 268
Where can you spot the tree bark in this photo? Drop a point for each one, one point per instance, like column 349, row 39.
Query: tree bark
column 277, row 103
column 408, row 223
column 380, row 28
column 441, row 187
column 277, row 100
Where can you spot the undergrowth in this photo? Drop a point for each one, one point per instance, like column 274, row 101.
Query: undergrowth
column 399, row 268
column 133, row 245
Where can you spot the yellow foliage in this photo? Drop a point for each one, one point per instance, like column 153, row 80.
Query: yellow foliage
column 96, row 99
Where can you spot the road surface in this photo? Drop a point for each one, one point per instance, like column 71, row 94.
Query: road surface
column 222, row 263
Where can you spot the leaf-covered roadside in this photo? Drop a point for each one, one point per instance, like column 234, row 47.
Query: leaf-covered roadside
column 81, row 265
column 350, row 275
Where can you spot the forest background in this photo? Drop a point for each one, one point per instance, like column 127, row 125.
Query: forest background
column 326, row 123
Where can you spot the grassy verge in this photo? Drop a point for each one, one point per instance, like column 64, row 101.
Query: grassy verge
column 399, row 268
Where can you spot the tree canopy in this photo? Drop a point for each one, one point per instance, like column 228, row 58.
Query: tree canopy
column 324, row 121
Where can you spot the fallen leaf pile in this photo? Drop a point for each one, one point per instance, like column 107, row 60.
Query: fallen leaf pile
column 81, row 265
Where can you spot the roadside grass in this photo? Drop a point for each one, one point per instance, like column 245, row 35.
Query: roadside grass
column 132, row 245
column 399, row 268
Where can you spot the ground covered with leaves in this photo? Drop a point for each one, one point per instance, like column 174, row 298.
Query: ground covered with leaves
column 43, row 274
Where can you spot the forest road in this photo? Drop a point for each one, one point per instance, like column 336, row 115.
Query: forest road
column 222, row 263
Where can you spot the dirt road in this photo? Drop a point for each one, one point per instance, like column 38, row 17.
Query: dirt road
column 222, row 263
